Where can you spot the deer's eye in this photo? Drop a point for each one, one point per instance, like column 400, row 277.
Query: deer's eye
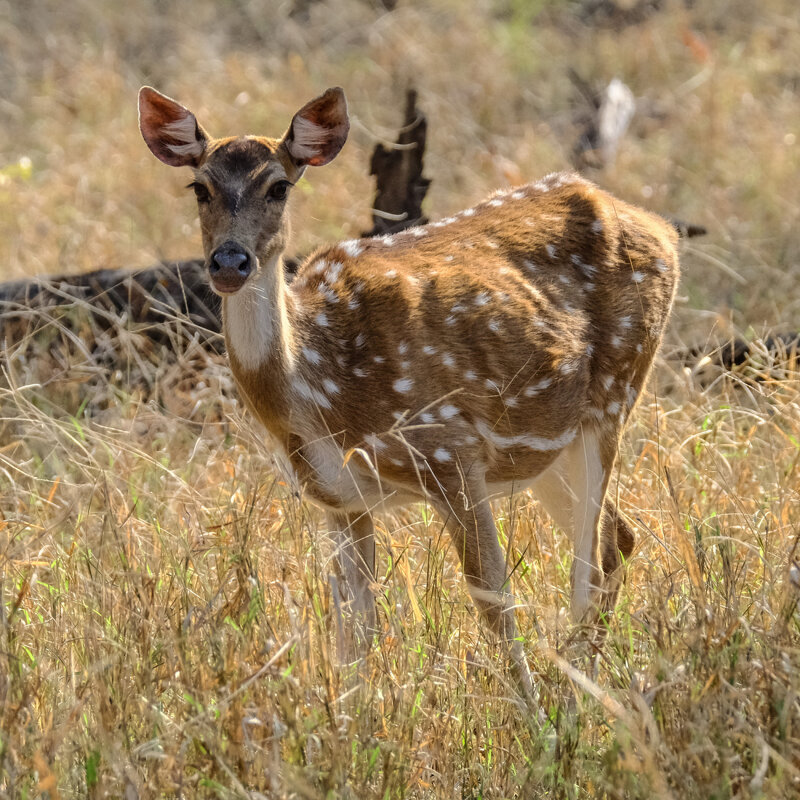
column 200, row 192
column 278, row 191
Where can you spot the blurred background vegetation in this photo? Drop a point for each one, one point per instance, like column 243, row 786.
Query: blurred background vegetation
column 714, row 138
column 166, row 623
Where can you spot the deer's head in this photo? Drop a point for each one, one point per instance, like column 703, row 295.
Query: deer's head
column 242, row 183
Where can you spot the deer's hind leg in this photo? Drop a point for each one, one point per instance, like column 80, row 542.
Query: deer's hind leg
column 616, row 544
column 573, row 492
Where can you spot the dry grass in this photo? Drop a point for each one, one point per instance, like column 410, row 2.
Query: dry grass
column 166, row 621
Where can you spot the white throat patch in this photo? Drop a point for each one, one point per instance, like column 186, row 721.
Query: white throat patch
column 251, row 315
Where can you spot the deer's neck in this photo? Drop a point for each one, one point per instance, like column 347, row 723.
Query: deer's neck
column 256, row 322
column 259, row 337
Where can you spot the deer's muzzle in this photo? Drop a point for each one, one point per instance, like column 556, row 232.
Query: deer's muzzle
column 229, row 267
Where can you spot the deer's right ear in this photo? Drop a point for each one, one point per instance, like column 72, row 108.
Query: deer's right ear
column 318, row 130
column 171, row 131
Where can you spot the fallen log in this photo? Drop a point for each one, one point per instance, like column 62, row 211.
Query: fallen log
column 774, row 356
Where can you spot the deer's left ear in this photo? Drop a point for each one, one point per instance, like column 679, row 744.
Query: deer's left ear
column 319, row 130
column 171, row 131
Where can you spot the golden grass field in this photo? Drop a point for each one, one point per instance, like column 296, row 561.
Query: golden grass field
column 166, row 623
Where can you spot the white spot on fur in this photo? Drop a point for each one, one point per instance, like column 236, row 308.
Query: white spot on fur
column 448, row 258
column 429, row 350
column 534, row 389
column 387, row 240
column 328, row 293
column 625, row 322
column 569, row 366
column 608, row 381
column 616, row 341
column 518, row 195
column 331, row 387
column 360, row 340
column 661, row 265
column 352, row 248
column 427, row 418
column 402, row 348
column 391, row 273
column 468, row 212
column 597, row 226
column 494, row 325
column 448, row 411
column 491, row 244
column 637, row 276
column 482, row 299
column 442, row 455
column 360, row 373
column 510, row 401
column 378, row 359
column 310, row 393
column 564, row 279
column 353, row 304
column 551, row 250
column 470, row 375
column 587, row 269
column 403, row 385
column 311, row 356
column 613, row 408
column 450, row 320
column 334, row 271
column 448, row 360
column 321, row 320
column 496, row 203
column 373, row 441
column 639, row 347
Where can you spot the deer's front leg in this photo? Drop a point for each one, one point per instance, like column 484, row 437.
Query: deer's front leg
column 474, row 537
column 354, row 538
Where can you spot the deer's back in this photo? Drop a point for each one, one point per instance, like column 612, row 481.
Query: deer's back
column 493, row 334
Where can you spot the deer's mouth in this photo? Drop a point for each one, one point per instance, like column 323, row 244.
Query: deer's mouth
column 227, row 283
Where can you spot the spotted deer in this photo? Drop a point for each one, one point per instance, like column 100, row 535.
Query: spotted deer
column 501, row 348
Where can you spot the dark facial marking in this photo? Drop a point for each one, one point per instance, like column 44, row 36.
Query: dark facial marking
column 234, row 162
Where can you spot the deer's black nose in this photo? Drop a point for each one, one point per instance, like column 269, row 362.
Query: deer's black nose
column 230, row 256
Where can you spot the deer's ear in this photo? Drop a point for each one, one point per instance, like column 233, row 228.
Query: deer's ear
column 318, row 130
column 171, row 131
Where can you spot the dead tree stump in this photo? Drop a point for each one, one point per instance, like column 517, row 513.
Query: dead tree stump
column 400, row 185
